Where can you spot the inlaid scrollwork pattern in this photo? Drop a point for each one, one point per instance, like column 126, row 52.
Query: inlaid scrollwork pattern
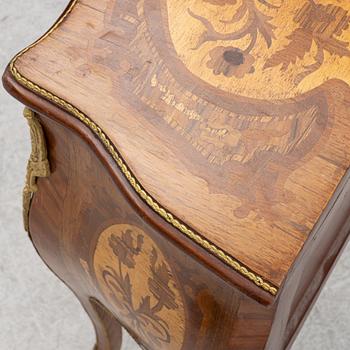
column 244, row 141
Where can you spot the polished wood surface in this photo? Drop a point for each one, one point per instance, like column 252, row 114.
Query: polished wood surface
column 198, row 192
column 86, row 198
column 232, row 116
column 126, row 272
column 124, row 269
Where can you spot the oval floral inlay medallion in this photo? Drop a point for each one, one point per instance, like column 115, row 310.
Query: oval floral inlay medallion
column 276, row 49
column 136, row 279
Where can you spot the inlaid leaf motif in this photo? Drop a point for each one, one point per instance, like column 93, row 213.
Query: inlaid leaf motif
column 159, row 283
column 300, row 43
column 266, row 3
column 242, row 10
column 264, row 27
column 319, row 24
column 334, row 46
column 127, row 287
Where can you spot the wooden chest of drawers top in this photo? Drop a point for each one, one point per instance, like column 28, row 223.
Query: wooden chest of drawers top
column 230, row 119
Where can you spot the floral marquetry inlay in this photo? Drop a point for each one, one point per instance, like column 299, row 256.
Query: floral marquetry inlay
column 137, row 281
column 240, row 104
column 200, row 158
column 246, row 46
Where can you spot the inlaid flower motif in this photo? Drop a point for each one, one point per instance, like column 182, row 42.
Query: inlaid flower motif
column 124, row 247
column 230, row 61
column 143, row 313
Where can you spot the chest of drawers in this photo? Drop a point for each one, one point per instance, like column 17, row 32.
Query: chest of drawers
column 188, row 177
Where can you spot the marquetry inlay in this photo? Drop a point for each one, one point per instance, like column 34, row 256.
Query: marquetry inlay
column 140, row 286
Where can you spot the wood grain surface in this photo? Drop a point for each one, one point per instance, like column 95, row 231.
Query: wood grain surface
column 124, row 270
column 127, row 272
column 232, row 115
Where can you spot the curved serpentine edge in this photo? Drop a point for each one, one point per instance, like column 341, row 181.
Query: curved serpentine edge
column 151, row 202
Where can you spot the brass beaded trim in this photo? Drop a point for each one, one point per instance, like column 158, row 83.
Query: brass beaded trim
column 152, row 203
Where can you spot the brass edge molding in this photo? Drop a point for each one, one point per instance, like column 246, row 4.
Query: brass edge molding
column 38, row 164
column 148, row 199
